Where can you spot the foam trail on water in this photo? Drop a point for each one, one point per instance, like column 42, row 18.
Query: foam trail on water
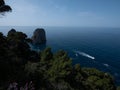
column 85, row 55
column 76, row 55
column 107, row 65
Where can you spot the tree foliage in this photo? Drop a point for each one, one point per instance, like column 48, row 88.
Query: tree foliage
column 4, row 8
column 47, row 70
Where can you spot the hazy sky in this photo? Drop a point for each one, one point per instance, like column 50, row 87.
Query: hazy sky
column 82, row 13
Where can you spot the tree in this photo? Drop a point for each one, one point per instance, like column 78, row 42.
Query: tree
column 46, row 54
column 3, row 58
column 4, row 8
column 118, row 88
column 97, row 80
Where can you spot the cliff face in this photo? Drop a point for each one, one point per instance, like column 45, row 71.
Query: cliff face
column 39, row 36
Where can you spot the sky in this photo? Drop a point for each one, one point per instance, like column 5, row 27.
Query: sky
column 74, row 13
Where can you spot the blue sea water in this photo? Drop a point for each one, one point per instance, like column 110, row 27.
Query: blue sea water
column 91, row 47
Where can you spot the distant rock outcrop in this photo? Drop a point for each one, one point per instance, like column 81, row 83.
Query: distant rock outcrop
column 11, row 31
column 39, row 36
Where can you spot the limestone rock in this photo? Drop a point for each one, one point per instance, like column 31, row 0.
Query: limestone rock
column 39, row 36
column 11, row 32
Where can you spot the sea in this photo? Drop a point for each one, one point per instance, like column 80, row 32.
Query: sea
column 93, row 47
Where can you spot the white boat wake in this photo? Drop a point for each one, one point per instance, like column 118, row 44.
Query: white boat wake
column 107, row 65
column 85, row 55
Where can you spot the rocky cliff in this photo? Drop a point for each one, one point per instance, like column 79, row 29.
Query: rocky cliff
column 39, row 36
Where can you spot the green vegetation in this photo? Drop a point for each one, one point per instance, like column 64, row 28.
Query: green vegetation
column 21, row 66
column 4, row 8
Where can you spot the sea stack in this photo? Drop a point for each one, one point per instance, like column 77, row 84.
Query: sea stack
column 39, row 36
column 11, row 32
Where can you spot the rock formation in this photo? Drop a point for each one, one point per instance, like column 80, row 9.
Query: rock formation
column 39, row 36
column 11, row 32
